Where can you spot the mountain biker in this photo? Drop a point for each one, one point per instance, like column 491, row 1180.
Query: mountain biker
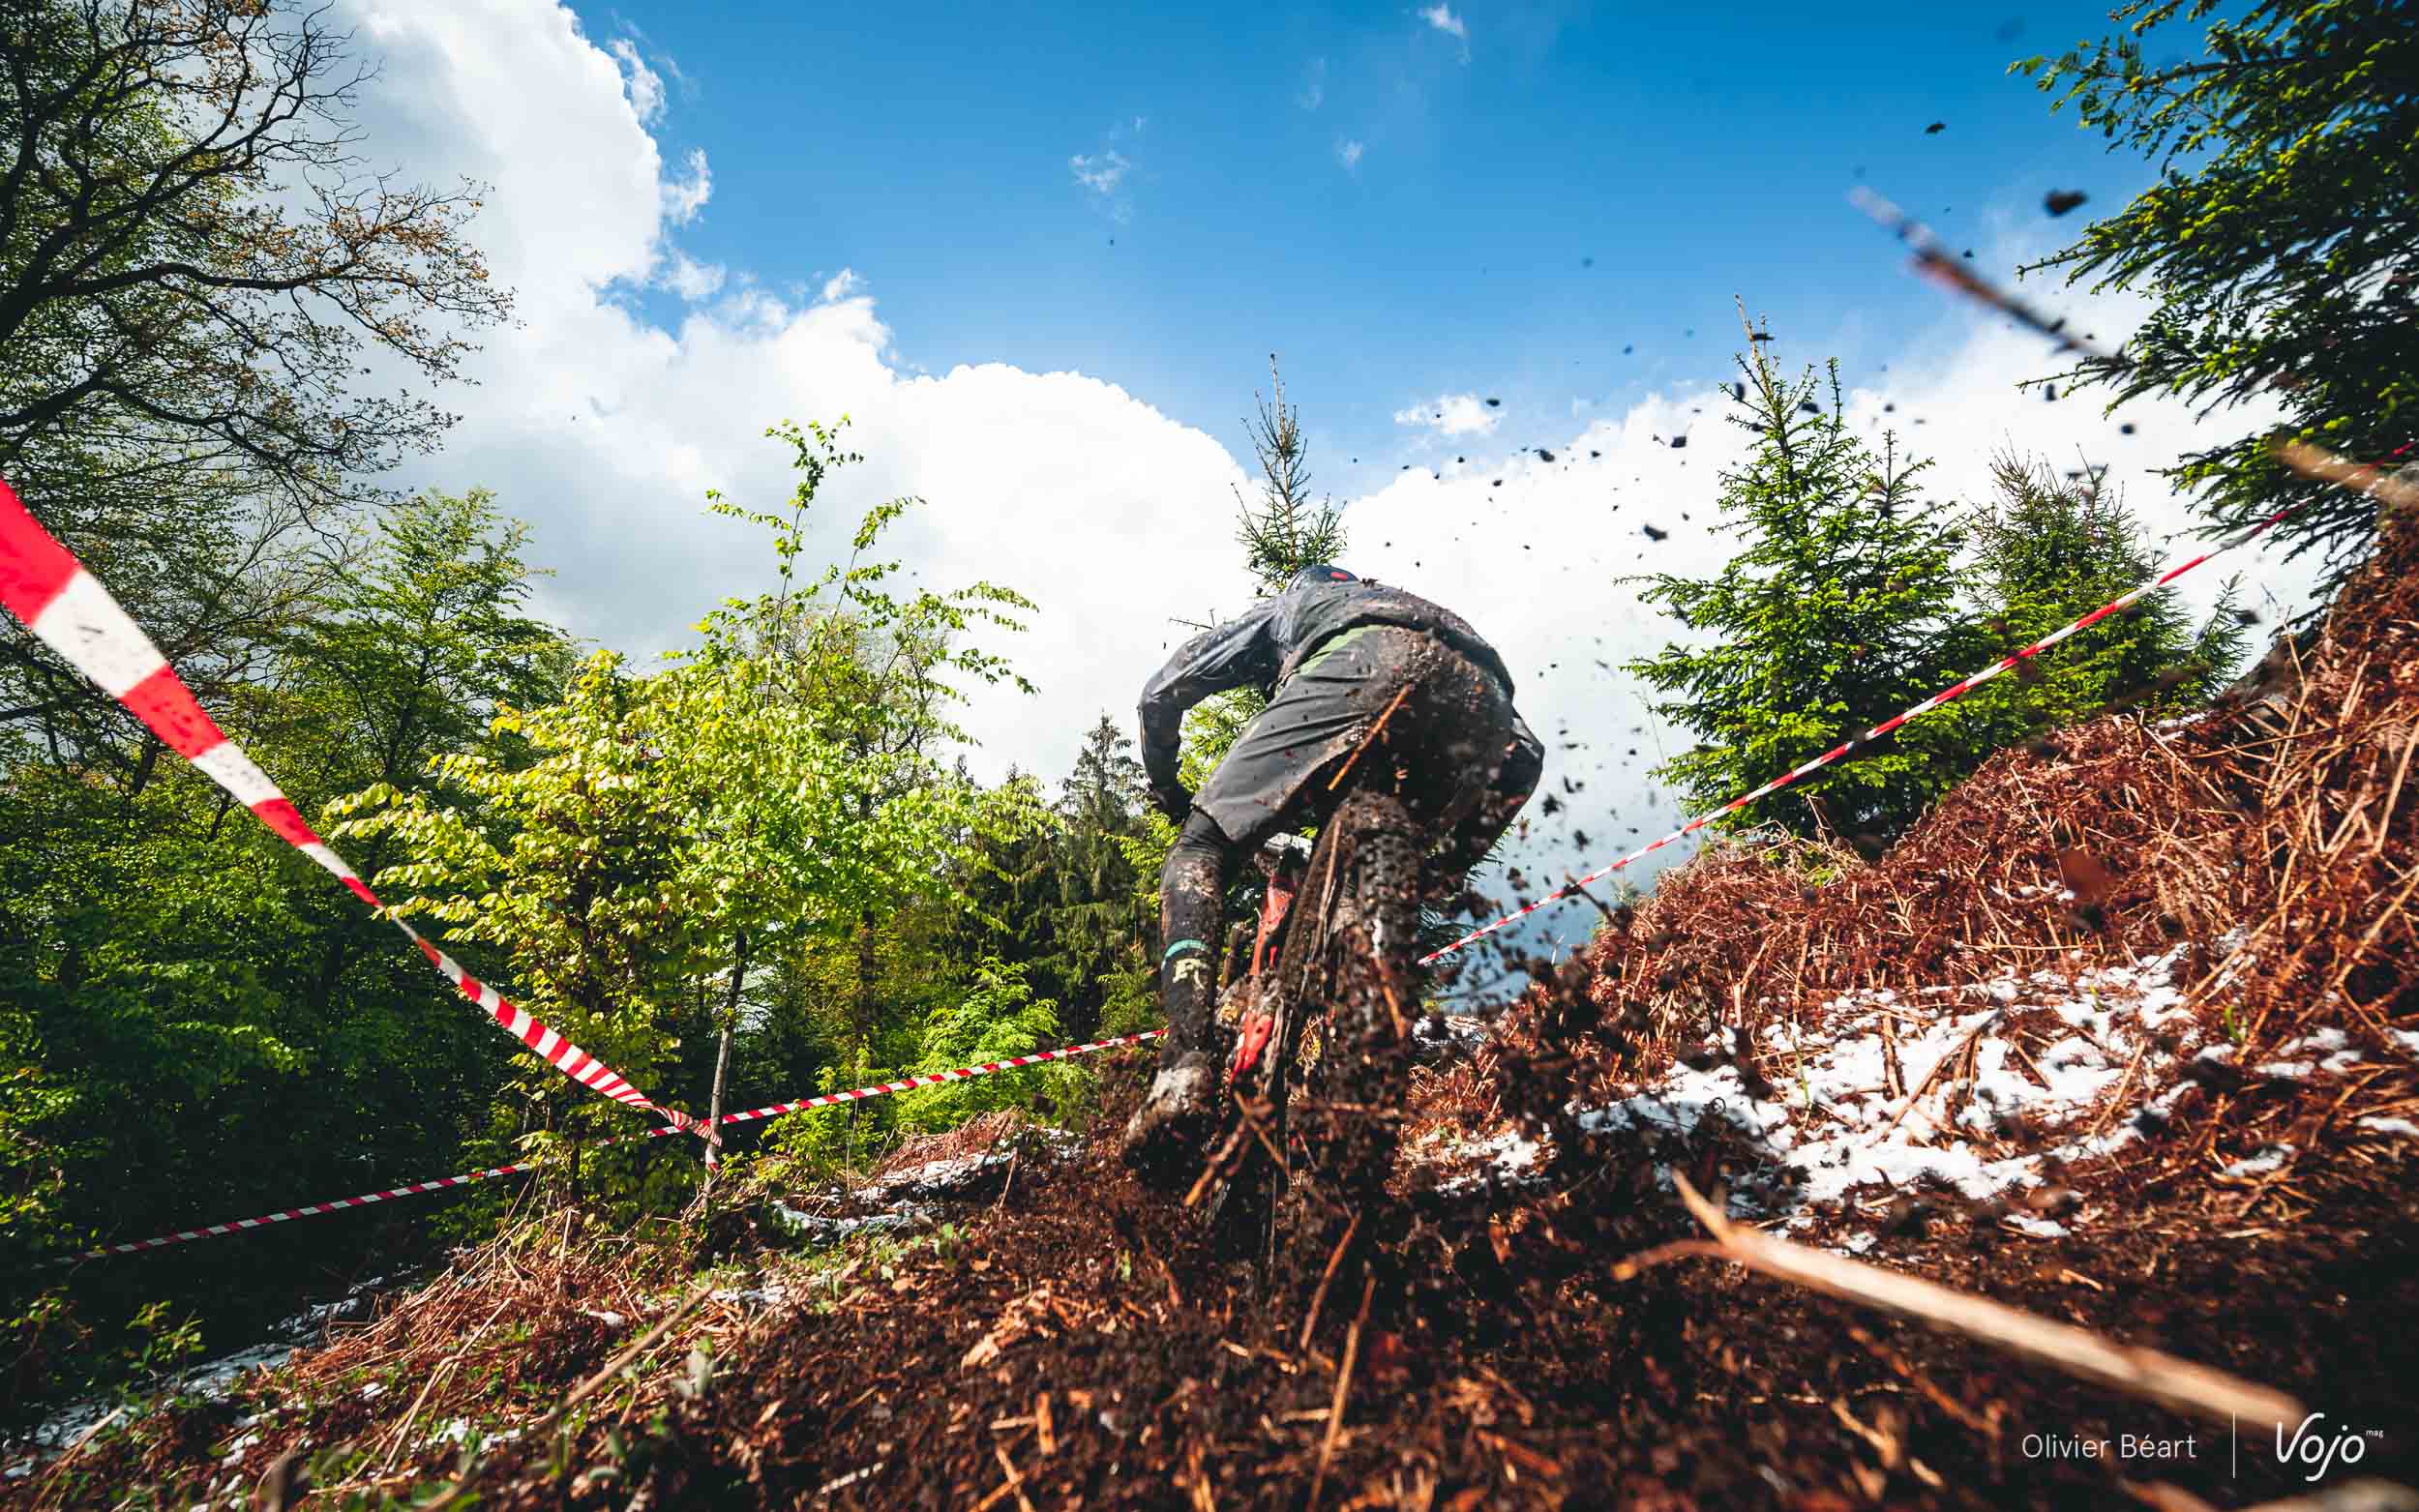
column 1354, row 673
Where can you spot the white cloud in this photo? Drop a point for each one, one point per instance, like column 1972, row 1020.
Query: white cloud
column 1452, row 414
column 1348, row 152
column 1444, row 21
column 1100, row 173
column 1531, row 561
column 1062, row 485
column 605, row 433
column 691, row 280
column 1314, row 90
column 646, row 86
column 683, row 200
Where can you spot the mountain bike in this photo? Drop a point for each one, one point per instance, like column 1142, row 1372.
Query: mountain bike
column 1324, row 1008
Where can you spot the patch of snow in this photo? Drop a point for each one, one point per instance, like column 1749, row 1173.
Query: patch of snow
column 831, row 1230
column 2385, row 1125
column 2270, row 1158
column 772, row 1295
column 1829, row 1138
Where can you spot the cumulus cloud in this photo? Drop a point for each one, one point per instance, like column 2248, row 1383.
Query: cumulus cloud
column 1452, row 414
column 604, row 431
column 691, row 280
column 684, row 198
column 1348, row 152
column 646, row 86
column 1442, row 18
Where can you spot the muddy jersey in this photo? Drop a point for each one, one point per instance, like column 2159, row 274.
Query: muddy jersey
column 1264, row 646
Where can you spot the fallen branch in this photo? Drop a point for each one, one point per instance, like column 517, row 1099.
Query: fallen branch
column 1343, row 1389
column 545, row 1425
column 75, row 1448
column 1941, row 1064
column 2149, row 1374
column 1374, row 730
column 2323, row 465
column 1319, row 1297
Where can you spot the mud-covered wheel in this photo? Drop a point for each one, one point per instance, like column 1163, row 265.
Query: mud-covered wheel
column 1372, row 993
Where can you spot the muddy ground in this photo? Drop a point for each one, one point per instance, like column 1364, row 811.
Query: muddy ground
column 1079, row 1346
column 1069, row 1338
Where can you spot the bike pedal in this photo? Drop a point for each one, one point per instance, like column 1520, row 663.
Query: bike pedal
column 1256, row 1028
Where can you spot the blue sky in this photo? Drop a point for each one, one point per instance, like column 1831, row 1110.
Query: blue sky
column 1690, row 152
column 716, row 221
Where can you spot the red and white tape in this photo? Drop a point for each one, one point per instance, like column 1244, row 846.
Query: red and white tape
column 419, row 1188
column 43, row 584
column 1932, row 258
column 1964, row 686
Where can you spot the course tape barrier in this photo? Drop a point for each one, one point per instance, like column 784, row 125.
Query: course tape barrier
column 1966, row 685
column 419, row 1188
column 43, row 584
column 1932, row 258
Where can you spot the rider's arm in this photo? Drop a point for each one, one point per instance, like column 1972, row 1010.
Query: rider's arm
column 1240, row 653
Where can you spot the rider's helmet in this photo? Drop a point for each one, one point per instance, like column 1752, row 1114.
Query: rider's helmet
column 1318, row 575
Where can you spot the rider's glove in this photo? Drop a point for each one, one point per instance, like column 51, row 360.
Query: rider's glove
column 1172, row 800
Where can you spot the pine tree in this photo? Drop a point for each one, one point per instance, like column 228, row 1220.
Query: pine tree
column 2048, row 550
column 2275, row 240
column 1281, row 533
column 1093, row 918
column 1835, row 616
column 1285, row 532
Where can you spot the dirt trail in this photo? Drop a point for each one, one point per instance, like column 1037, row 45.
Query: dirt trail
column 2215, row 1161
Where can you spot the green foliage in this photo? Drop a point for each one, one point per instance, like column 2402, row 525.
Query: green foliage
column 770, row 793
column 571, row 869
column 2277, row 242
column 199, row 1024
column 756, row 868
column 2050, row 550
column 998, row 1017
column 1285, row 532
column 1281, row 533
column 1847, row 604
column 1829, row 619
column 191, row 271
column 1099, row 929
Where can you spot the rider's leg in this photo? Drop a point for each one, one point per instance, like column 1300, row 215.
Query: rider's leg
column 1516, row 782
column 1181, row 1100
column 1192, row 888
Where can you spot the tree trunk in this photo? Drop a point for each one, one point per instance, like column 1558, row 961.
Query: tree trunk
column 861, row 1003
column 722, row 1057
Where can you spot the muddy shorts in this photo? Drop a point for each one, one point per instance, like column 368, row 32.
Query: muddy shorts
column 1439, row 750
